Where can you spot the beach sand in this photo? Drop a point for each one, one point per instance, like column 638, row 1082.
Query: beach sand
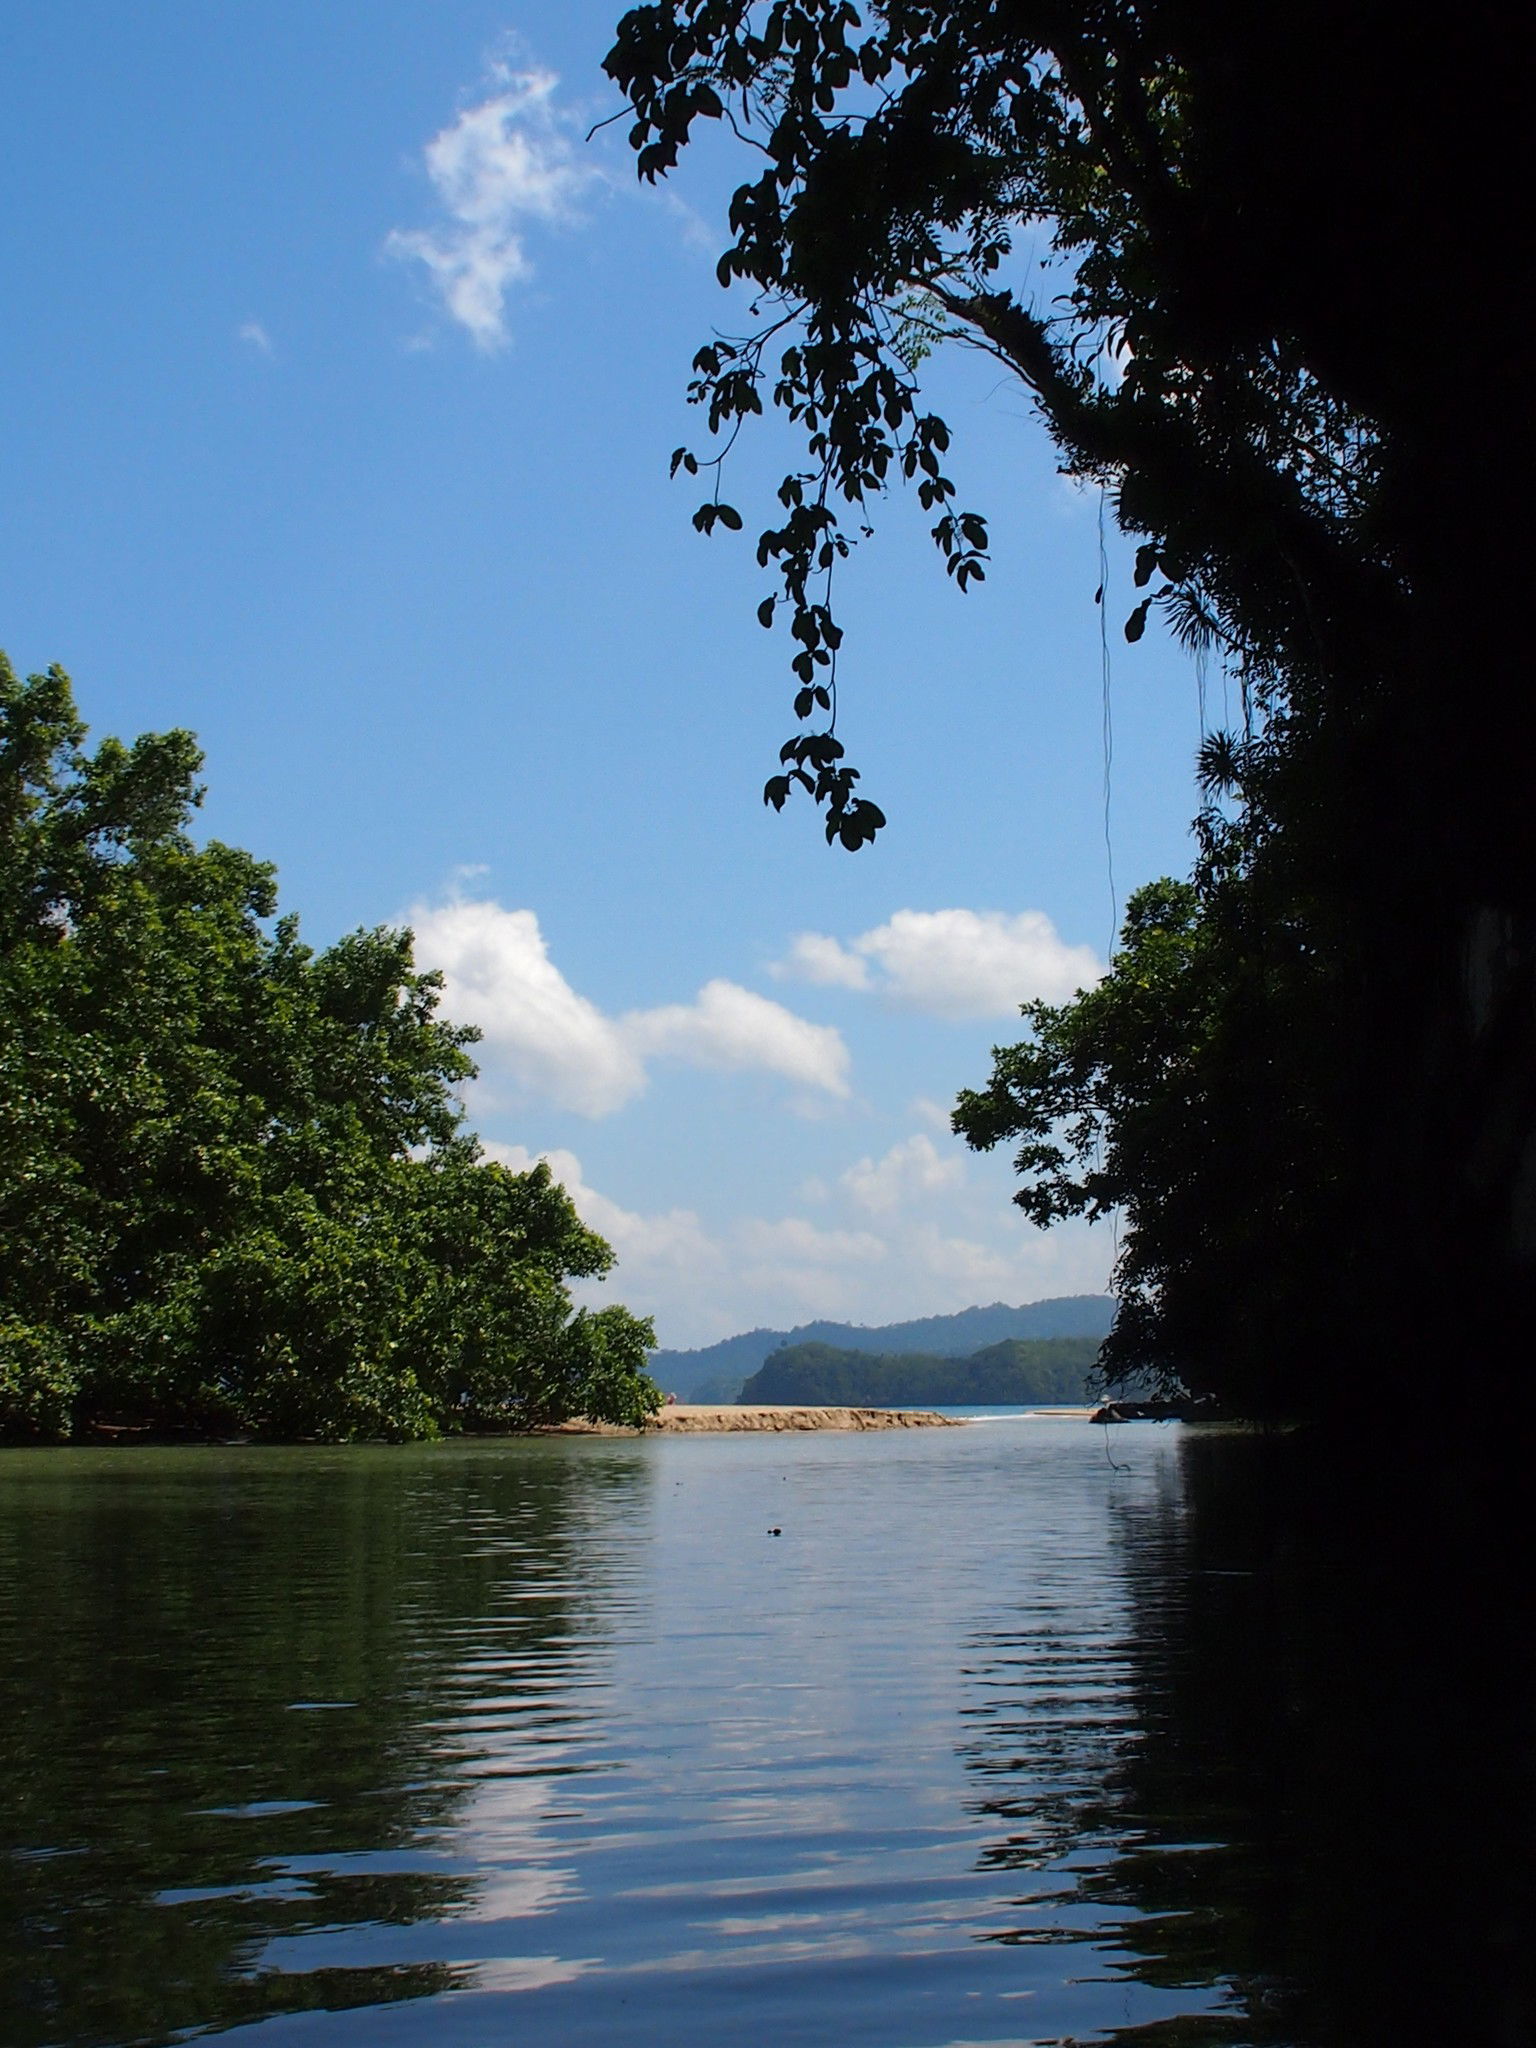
column 685, row 1418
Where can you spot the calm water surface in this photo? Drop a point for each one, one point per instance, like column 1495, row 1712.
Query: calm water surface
column 892, row 1739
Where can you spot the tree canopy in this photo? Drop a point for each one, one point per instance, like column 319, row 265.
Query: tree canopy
column 914, row 156
column 236, row 1193
column 1164, row 1097
column 1264, row 235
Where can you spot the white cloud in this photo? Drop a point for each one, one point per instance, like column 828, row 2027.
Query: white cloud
column 505, row 164
column 910, row 1170
column 694, row 1279
column 816, row 958
column 498, row 975
column 950, row 963
column 963, row 1265
column 255, row 336
column 551, row 1042
column 728, row 1026
column 676, row 1239
column 669, row 1246
column 934, row 1114
column 793, row 1237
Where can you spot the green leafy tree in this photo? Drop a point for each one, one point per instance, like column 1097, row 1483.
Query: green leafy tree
column 235, row 1191
column 1238, row 336
column 1160, row 1098
column 912, row 156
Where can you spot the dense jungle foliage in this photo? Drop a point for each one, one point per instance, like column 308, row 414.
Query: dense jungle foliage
column 1020, row 1371
column 236, row 1195
column 1271, row 330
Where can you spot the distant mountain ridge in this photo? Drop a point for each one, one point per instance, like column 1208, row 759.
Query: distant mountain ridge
column 716, row 1371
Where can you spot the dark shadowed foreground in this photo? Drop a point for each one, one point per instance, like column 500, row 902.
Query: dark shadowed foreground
column 903, row 1740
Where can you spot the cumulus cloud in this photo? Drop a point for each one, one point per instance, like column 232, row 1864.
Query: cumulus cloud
column 504, row 165
column 816, row 958
column 949, row 963
column 912, row 1169
column 498, row 975
column 728, row 1026
column 554, row 1043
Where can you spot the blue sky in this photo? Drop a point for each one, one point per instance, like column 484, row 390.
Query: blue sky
column 340, row 375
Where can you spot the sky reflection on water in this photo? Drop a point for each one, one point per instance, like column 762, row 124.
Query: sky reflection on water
column 554, row 1742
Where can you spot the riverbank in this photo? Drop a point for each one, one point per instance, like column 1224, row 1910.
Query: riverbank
column 687, row 1418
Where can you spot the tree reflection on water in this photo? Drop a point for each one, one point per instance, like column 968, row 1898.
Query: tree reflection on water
column 1302, row 1771
column 287, row 1736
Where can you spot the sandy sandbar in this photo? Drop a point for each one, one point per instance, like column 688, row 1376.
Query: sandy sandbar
column 686, row 1418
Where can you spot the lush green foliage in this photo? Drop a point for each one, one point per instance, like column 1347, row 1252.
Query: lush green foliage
column 235, row 1193
column 1020, row 1370
column 1316, row 1111
column 1159, row 1096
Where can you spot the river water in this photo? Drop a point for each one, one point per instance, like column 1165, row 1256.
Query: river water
column 919, row 1739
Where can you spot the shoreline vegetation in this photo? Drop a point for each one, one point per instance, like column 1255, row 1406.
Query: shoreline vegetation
column 240, row 1202
column 238, row 1198
column 680, row 1418
column 1019, row 1372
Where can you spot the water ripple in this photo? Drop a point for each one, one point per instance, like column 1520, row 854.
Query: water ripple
column 551, row 1741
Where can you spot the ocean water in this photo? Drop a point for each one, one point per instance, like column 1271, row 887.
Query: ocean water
column 910, row 1740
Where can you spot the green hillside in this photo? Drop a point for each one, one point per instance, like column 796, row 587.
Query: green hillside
column 1042, row 1371
column 715, row 1371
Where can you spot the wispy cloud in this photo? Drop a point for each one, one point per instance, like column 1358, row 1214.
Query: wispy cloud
column 934, row 1114
column 949, row 963
column 255, row 336
column 667, row 1247
column 506, row 164
column 914, row 1168
column 553, row 1043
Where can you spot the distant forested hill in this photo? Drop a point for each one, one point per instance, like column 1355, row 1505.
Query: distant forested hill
column 715, row 1372
column 1025, row 1370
